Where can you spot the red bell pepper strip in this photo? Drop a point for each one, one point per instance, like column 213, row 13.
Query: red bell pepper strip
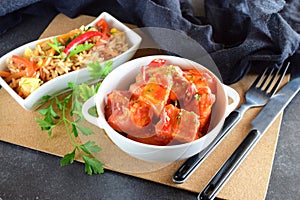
column 157, row 62
column 103, row 26
column 29, row 66
column 81, row 39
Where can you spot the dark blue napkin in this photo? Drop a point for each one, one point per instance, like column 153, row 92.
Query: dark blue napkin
column 239, row 35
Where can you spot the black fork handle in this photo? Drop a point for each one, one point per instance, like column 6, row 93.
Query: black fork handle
column 192, row 163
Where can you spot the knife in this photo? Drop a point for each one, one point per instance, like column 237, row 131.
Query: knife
column 259, row 124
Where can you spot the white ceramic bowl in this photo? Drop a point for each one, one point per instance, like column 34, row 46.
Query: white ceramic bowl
column 59, row 84
column 120, row 79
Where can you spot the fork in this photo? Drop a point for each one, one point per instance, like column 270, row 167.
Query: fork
column 262, row 89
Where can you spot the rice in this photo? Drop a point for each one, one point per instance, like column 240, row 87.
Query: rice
column 50, row 67
column 115, row 46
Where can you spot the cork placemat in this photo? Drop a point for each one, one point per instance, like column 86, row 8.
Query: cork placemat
column 249, row 182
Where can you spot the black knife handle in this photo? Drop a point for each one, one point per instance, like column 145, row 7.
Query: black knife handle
column 221, row 177
column 192, row 163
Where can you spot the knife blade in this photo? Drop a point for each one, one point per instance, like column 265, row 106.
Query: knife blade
column 259, row 124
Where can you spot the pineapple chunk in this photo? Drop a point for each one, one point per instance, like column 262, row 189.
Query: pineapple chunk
column 27, row 53
column 28, row 84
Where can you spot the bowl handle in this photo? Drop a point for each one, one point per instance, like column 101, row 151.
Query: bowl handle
column 234, row 95
column 85, row 108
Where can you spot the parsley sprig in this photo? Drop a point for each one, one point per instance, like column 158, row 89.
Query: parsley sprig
column 52, row 119
column 58, row 47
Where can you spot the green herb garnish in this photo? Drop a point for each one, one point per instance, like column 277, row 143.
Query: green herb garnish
column 197, row 97
column 98, row 71
column 58, row 47
column 80, row 48
column 51, row 119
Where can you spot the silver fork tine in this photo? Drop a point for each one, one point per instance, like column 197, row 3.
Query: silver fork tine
column 274, row 76
column 259, row 78
column 281, row 76
column 266, row 77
